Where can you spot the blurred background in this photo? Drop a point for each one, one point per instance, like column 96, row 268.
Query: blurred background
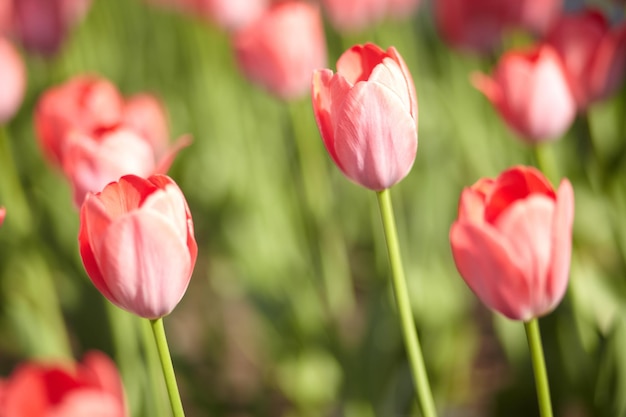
column 289, row 311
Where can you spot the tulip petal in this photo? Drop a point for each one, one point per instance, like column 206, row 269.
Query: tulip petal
column 146, row 264
column 358, row 62
column 88, row 402
column 169, row 203
column 379, row 137
column 484, row 260
column 561, row 242
column 527, row 227
column 390, row 75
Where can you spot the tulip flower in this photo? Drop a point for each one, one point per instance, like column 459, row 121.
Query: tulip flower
column 3, row 213
column 43, row 25
column 85, row 104
column 512, row 242
column 537, row 15
column 367, row 115
column 353, row 15
column 280, row 50
column 531, row 93
column 137, row 244
column 91, row 388
column 594, row 54
column 12, row 80
column 473, row 25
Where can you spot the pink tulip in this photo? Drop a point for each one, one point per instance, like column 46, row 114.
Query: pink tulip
column 85, row 104
column 367, row 115
column 146, row 115
column 474, row 25
column 3, row 213
column 353, row 15
column 92, row 388
column 512, row 242
column 594, row 54
column 280, row 50
column 530, row 91
column 43, row 25
column 233, row 14
column 137, row 244
column 12, row 81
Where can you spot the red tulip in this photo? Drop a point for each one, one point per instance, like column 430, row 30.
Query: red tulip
column 42, row 25
column 137, row 244
column 512, row 242
column 530, row 91
column 473, row 25
column 594, row 54
column 281, row 49
column 537, row 15
column 367, row 115
column 12, row 80
column 92, row 388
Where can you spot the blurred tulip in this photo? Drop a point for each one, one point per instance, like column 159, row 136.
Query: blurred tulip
column 92, row 389
column 594, row 54
column 3, row 213
column 233, row 14
column 537, row 15
column 530, row 91
column 353, row 15
column 512, row 242
column 137, row 244
column 280, row 50
column 367, row 115
column 473, row 25
column 42, row 25
column 12, row 80
column 86, row 128
column 84, row 104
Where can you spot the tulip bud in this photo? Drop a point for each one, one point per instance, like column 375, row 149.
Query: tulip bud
column 137, row 244
column 594, row 55
column 280, row 50
column 531, row 93
column 512, row 242
column 367, row 115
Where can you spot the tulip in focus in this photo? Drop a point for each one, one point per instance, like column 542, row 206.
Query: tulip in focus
column 512, row 242
column 531, row 93
column 12, row 80
column 594, row 54
column 92, row 388
column 367, row 115
column 280, row 50
column 137, row 244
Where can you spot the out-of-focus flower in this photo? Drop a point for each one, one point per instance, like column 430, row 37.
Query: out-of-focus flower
column 475, row 25
column 280, row 50
column 42, row 25
column 84, row 104
column 537, row 15
column 512, row 242
column 3, row 213
column 353, row 15
column 86, row 128
column 594, row 54
column 137, row 244
column 12, row 80
column 530, row 91
column 92, row 388
column 227, row 14
column 367, row 115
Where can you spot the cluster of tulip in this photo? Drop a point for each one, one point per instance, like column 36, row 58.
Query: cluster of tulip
column 511, row 240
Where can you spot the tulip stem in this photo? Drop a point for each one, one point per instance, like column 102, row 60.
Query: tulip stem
column 409, row 332
column 539, row 367
column 168, row 368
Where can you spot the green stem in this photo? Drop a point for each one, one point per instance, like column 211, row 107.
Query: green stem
column 545, row 161
column 168, row 368
column 418, row 369
column 539, row 367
